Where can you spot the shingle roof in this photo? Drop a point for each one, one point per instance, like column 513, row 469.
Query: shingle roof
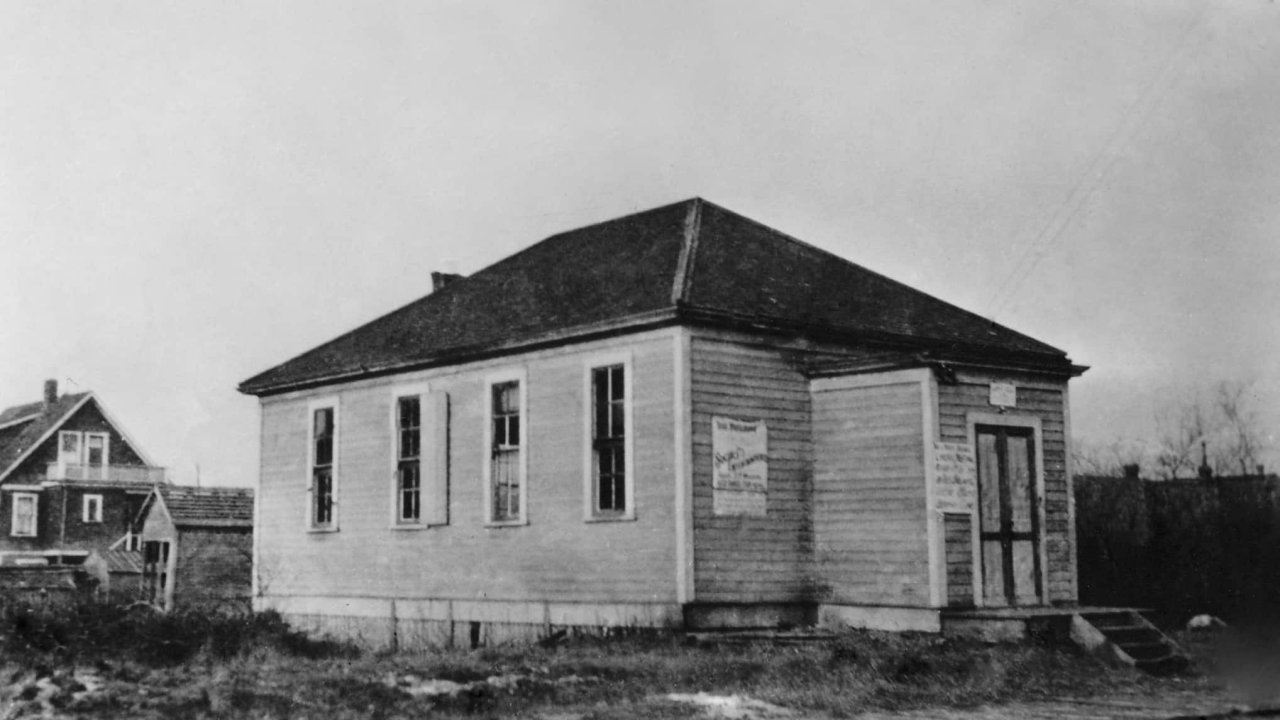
column 16, row 440
column 692, row 261
column 122, row 561
column 19, row 412
column 208, row 506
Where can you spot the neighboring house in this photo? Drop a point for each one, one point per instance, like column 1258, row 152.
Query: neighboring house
column 71, row 481
column 678, row 418
column 197, row 547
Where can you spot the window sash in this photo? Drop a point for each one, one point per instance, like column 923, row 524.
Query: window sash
column 322, row 505
column 95, row 449
column 608, row 442
column 25, row 514
column 506, row 485
column 410, row 490
column 323, row 431
column 506, row 452
column 409, row 459
column 92, row 509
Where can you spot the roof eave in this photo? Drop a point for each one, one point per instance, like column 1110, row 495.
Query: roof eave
column 631, row 323
column 935, row 349
column 213, row 524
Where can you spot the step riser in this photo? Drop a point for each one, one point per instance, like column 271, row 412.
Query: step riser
column 1138, row 642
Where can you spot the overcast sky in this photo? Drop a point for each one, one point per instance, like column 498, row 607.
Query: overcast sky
column 193, row 192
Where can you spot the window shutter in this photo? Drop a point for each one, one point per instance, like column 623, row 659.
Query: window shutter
column 435, row 427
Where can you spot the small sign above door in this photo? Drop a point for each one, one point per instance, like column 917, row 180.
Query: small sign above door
column 1004, row 395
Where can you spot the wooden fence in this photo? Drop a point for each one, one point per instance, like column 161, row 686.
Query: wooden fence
column 1181, row 547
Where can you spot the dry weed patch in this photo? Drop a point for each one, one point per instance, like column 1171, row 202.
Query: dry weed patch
column 120, row 663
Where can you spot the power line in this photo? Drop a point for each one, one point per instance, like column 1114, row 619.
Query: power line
column 1089, row 182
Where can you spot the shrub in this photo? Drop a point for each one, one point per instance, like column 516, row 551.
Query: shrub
column 89, row 630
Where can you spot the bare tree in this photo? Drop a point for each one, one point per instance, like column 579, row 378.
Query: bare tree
column 1181, row 432
column 1223, row 434
column 1241, row 439
column 1105, row 459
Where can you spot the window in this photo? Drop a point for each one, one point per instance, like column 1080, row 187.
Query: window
column 83, row 456
column 25, row 507
column 419, row 430
column 506, row 459
column 505, row 467
column 95, row 449
column 91, row 508
column 609, row 438
column 610, row 491
column 69, row 447
column 323, row 480
column 409, row 459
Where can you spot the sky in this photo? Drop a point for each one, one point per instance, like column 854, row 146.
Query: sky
column 193, row 192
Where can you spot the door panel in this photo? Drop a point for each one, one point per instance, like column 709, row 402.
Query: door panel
column 1024, row 573
column 1021, row 490
column 993, row 592
column 988, row 483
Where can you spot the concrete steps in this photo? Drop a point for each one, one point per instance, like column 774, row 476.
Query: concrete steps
column 1131, row 639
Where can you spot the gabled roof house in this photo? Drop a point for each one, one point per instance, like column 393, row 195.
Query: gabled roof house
column 677, row 418
column 71, row 480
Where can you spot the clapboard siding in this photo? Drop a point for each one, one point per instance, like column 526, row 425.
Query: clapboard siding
column 971, row 395
column 557, row 556
column 751, row 559
column 958, row 541
column 869, row 494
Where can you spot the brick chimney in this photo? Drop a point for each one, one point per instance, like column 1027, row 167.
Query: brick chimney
column 50, row 392
column 441, row 280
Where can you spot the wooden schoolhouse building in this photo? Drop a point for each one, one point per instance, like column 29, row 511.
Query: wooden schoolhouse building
column 680, row 418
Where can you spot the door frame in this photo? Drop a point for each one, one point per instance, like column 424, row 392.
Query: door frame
column 1017, row 421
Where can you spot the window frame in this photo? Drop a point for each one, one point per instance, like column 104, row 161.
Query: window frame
column 590, row 500
column 492, row 380
column 311, row 525
column 86, row 501
column 79, row 436
column 399, row 392
column 106, row 449
column 35, row 514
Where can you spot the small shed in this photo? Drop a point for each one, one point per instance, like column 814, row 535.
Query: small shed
column 197, row 546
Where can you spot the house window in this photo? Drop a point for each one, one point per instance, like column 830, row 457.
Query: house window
column 91, row 508
column 25, row 510
column 323, row 480
column 409, row 459
column 609, row 438
column 69, row 447
column 505, row 466
column 95, row 449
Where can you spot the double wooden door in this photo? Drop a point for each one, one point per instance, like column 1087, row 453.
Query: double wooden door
column 1009, row 516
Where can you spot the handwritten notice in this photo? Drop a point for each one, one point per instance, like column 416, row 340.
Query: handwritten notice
column 740, row 466
column 955, row 477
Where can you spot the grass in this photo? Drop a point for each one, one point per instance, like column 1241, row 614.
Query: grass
column 255, row 666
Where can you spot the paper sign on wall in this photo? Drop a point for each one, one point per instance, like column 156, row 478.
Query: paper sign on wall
column 955, row 477
column 1004, row 395
column 740, row 466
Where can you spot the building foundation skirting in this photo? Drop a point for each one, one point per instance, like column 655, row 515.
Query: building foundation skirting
column 412, row 623
column 881, row 617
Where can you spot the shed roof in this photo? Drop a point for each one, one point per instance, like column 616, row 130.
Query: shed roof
column 692, row 261
column 122, row 561
column 208, row 506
